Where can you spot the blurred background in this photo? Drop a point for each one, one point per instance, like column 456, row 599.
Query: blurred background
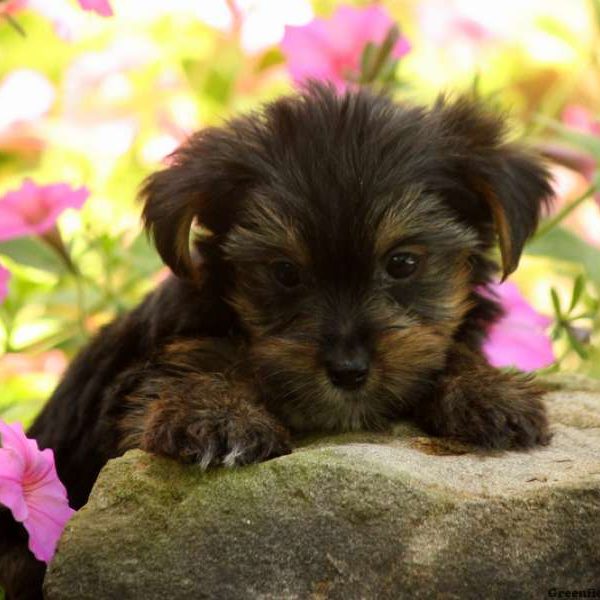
column 94, row 95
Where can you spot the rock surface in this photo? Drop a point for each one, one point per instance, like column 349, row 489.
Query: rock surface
column 396, row 515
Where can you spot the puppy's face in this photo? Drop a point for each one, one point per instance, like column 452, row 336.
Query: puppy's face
column 350, row 298
column 351, row 232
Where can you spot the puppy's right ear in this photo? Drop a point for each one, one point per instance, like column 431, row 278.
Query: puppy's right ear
column 506, row 186
column 206, row 179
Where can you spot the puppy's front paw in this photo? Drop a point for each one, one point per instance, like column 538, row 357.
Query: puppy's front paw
column 500, row 412
column 214, row 437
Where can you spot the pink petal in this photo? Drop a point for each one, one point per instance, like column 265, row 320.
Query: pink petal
column 4, row 279
column 13, row 438
column 580, row 118
column 12, row 225
column 12, row 6
column 330, row 49
column 518, row 308
column 443, row 23
column 518, row 346
column 41, row 479
column 45, row 526
column 11, row 487
column 369, row 24
column 102, row 7
column 30, row 487
column 472, row 30
column 33, row 209
column 49, row 511
column 519, row 339
column 310, row 55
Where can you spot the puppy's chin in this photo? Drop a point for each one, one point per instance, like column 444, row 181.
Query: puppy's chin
column 297, row 389
column 339, row 410
column 320, row 406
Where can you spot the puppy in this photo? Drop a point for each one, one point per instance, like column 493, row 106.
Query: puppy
column 336, row 281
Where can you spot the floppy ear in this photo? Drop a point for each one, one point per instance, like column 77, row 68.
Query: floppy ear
column 207, row 177
column 508, row 184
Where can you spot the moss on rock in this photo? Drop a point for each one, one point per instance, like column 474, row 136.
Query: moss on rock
column 388, row 515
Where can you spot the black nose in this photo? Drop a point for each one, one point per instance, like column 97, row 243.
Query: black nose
column 348, row 373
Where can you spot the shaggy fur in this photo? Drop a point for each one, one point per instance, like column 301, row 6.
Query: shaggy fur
column 335, row 284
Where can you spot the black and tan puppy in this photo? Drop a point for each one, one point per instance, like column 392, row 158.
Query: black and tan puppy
column 335, row 285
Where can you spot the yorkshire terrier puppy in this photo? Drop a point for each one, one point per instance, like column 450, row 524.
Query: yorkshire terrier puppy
column 336, row 281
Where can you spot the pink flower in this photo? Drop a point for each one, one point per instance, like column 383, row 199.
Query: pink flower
column 330, row 49
column 12, row 6
column 445, row 23
column 13, row 364
column 30, row 488
column 102, row 7
column 4, row 277
column 519, row 338
column 578, row 117
column 33, row 209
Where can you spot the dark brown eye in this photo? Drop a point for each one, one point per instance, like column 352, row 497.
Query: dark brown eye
column 402, row 264
column 286, row 273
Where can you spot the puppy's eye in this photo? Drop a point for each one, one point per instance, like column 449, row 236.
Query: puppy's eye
column 402, row 264
column 286, row 273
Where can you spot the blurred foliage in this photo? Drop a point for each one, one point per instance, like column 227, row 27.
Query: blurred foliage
column 128, row 89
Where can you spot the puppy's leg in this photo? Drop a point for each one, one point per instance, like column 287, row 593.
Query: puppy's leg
column 21, row 575
column 190, row 404
column 481, row 405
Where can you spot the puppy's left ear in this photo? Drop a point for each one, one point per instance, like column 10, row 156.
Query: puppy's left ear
column 506, row 185
column 207, row 177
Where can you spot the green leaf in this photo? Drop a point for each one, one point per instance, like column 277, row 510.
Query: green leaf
column 567, row 209
column 388, row 72
column 270, row 58
column 556, row 331
column 576, row 344
column 144, row 256
column 563, row 245
column 476, row 85
column 366, row 59
column 596, row 11
column 578, row 287
column 592, row 366
column 218, row 85
column 589, row 142
column 375, row 59
column 586, row 315
column 556, row 304
column 33, row 252
column 556, row 28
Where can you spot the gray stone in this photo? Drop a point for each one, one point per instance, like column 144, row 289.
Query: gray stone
column 395, row 515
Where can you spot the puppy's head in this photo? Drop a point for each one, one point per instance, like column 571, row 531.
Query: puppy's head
column 352, row 233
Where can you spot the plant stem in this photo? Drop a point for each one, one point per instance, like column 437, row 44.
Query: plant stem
column 563, row 213
column 14, row 24
column 6, row 319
